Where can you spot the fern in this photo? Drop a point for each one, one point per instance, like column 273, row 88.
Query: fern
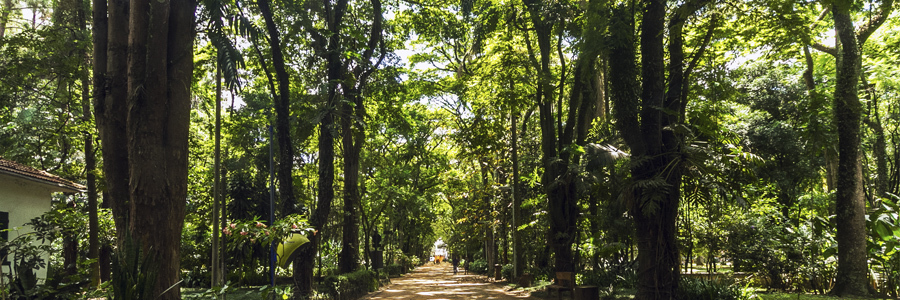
column 134, row 272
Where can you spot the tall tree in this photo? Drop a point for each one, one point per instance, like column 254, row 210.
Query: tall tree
column 852, row 276
column 558, row 140
column 353, row 113
column 110, row 111
column 849, row 198
column 282, row 99
column 329, row 48
column 90, row 159
column 69, row 14
column 647, row 123
column 148, row 115
column 561, row 201
column 217, row 271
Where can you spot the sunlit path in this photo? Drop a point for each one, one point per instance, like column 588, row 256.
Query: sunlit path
column 438, row 282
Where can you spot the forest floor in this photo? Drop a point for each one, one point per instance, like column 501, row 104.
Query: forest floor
column 437, row 281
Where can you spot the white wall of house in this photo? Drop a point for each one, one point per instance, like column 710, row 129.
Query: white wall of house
column 23, row 200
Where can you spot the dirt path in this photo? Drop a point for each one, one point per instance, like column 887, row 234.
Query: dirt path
column 438, row 282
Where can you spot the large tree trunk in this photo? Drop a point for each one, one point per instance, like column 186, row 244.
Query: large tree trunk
column 852, row 269
column 305, row 260
column 655, row 149
column 348, row 259
column 99, row 24
column 111, row 112
column 160, row 65
column 143, row 123
column 655, row 209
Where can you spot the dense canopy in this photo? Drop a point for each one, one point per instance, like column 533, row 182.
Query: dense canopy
column 634, row 143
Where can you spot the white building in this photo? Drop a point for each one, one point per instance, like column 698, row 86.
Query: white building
column 440, row 248
column 24, row 195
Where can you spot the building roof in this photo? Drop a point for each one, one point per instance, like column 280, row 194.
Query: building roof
column 14, row 169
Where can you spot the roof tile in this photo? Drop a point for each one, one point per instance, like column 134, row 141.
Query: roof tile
column 14, row 168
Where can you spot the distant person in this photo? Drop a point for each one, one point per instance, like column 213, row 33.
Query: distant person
column 455, row 262
column 466, row 266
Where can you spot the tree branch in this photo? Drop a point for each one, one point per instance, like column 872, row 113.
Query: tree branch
column 695, row 59
column 884, row 11
column 815, row 44
column 822, row 48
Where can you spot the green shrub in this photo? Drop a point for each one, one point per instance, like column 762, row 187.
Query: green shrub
column 478, row 266
column 133, row 272
column 507, row 272
column 606, row 277
column 350, row 285
column 788, row 255
column 393, row 269
column 409, row 262
column 701, row 289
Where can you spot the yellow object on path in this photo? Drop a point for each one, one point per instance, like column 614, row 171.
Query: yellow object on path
column 286, row 249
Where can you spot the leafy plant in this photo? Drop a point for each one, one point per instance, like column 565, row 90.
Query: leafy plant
column 133, row 272
column 350, row 285
column 393, row 269
column 267, row 291
column 215, row 292
column 507, row 272
column 701, row 289
column 884, row 247
column 28, row 251
column 478, row 266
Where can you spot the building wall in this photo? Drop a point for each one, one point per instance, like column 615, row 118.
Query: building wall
column 24, row 200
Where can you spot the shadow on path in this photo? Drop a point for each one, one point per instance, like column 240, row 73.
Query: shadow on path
column 438, row 282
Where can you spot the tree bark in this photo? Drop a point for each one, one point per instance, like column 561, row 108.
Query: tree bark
column 216, row 266
column 348, row 259
column 852, row 268
column 143, row 122
column 655, row 209
column 110, row 112
column 99, row 70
